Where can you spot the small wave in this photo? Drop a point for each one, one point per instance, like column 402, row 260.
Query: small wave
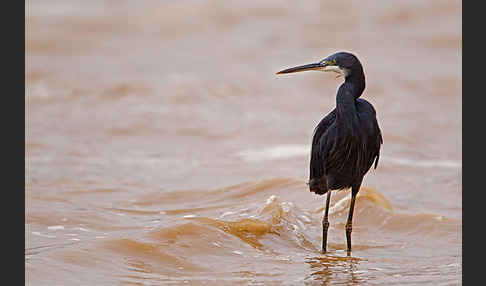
column 150, row 252
column 219, row 196
column 374, row 211
column 247, row 229
column 282, row 220
column 270, row 227
column 257, row 204
column 258, row 219
column 365, row 193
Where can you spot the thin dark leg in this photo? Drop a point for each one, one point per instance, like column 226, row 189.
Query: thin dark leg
column 349, row 224
column 325, row 222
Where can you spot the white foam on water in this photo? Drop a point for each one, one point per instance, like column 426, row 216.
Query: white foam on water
column 226, row 214
column 43, row 235
column 433, row 163
column 271, row 199
column 340, row 205
column 274, row 152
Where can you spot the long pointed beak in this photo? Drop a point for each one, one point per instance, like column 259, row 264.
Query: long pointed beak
column 309, row 67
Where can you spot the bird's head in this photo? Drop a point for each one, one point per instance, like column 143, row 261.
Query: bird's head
column 343, row 63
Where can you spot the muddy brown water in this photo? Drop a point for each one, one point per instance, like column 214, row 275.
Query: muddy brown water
column 162, row 149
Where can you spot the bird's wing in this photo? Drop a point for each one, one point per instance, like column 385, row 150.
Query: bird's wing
column 317, row 156
column 367, row 113
column 379, row 141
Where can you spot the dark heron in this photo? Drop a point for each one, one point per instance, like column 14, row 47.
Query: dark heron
column 347, row 141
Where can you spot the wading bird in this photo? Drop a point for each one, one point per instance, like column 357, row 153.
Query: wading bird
column 347, row 141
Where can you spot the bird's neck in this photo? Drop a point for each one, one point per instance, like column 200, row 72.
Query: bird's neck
column 351, row 89
column 348, row 92
column 355, row 81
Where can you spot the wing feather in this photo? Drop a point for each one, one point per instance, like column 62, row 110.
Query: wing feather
column 317, row 165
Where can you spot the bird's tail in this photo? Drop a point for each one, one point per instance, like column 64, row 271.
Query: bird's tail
column 318, row 186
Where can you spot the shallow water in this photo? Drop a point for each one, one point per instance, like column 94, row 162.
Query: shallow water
column 161, row 148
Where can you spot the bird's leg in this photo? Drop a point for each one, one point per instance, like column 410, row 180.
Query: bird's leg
column 325, row 222
column 349, row 224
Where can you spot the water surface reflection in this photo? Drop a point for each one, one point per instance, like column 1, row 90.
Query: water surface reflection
column 331, row 268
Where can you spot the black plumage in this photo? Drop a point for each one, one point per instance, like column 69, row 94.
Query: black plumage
column 347, row 141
